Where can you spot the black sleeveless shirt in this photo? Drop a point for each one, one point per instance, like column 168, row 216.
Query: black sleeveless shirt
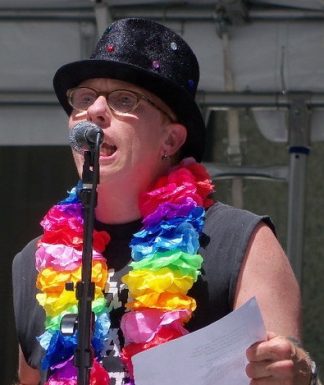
column 224, row 242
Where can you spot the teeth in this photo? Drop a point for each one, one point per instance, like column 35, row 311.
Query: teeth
column 107, row 149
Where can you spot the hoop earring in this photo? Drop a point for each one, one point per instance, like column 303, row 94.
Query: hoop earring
column 165, row 156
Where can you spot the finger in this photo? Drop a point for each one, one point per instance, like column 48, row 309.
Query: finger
column 279, row 369
column 257, row 370
column 283, row 370
column 271, row 335
column 264, row 381
column 277, row 348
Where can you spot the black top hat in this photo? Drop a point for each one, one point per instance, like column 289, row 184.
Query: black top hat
column 151, row 56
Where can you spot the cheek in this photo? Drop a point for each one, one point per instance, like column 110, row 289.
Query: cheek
column 146, row 144
column 75, row 118
column 71, row 121
column 78, row 160
column 151, row 135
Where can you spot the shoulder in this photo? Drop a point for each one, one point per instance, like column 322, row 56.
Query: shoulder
column 233, row 217
column 231, row 228
column 24, row 271
column 24, row 261
column 29, row 316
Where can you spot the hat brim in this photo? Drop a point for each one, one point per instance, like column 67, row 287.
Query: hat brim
column 178, row 99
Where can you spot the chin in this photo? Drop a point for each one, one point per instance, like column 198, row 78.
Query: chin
column 112, row 173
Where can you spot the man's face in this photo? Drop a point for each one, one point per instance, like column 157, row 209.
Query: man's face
column 133, row 142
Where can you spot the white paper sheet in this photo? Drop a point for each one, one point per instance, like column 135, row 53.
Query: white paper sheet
column 214, row 355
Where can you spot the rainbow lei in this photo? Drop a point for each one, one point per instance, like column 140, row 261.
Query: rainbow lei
column 165, row 266
column 58, row 261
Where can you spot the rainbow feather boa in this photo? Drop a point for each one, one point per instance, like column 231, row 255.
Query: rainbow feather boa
column 165, row 266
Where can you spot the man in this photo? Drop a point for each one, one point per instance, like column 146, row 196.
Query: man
column 139, row 88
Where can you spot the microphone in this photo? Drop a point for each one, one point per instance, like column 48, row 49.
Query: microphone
column 84, row 135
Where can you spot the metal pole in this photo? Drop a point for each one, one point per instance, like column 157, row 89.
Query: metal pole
column 103, row 16
column 233, row 124
column 296, row 207
column 299, row 147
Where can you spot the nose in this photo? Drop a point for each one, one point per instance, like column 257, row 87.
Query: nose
column 99, row 112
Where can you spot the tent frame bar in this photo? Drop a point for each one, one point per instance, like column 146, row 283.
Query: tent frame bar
column 164, row 12
column 210, row 100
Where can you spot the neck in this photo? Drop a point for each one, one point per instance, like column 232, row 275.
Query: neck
column 114, row 208
column 118, row 199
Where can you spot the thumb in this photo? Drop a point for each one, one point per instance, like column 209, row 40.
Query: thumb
column 271, row 335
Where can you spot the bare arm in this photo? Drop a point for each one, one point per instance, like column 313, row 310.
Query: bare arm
column 27, row 375
column 267, row 275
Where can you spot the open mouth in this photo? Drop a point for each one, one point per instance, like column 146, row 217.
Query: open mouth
column 107, row 149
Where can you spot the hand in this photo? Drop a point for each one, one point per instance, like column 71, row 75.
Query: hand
column 277, row 361
column 27, row 375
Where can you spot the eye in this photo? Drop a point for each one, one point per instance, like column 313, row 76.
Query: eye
column 82, row 98
column 122, row 101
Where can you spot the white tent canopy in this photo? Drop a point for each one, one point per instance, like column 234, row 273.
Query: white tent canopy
column 273, row 47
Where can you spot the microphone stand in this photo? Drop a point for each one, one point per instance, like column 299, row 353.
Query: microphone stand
column 85, row 289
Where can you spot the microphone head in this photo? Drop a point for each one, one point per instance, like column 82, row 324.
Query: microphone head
column 84, row 135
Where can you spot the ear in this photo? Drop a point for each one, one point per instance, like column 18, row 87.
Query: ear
column 176, row 135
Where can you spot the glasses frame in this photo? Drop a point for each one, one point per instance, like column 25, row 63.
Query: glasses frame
column 138, row 96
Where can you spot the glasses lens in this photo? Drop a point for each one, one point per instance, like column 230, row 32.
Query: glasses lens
column 82, row 98
column 122, row 101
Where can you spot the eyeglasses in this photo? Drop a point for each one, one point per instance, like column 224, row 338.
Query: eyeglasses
column 120, row 101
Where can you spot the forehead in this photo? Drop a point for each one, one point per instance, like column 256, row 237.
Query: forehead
column 104, row 84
